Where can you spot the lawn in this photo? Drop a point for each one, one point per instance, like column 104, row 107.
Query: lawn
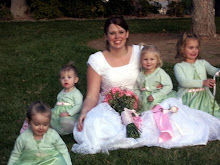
column 31, row 54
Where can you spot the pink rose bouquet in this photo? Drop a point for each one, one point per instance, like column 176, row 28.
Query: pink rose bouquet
column 122, row 100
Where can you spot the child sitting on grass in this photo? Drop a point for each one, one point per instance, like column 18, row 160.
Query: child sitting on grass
column 39, row 144
column 154, row 83
column 191, row 75
column 69, row 101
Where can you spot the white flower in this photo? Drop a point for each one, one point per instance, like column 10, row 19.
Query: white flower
column 217, row 73
column 174, row 109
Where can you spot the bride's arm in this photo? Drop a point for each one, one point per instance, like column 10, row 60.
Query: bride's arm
column 92, row 96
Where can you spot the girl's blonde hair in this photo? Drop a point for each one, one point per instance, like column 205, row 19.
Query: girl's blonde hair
column 152, row 49
column 181, row 44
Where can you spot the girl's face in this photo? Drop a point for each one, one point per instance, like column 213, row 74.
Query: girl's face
column 39, row 125
column 116, row 36
column 191, row 50
column 149, row 62
column 68, row 80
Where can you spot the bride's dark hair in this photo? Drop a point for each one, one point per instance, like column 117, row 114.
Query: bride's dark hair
column 117, row 20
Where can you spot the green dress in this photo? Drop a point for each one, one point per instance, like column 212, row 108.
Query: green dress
column 51, row 150
column 70, row 102
column 201, row 100
column 148, row 86
column 191, row 76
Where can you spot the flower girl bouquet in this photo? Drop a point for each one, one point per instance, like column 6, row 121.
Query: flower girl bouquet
column 126, row 103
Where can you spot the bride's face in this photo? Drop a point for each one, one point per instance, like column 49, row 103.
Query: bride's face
column 116, row 36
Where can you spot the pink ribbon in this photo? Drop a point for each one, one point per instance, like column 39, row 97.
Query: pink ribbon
column 130, row 116
column 24, row 126
column 62, row 103
column 163, row 123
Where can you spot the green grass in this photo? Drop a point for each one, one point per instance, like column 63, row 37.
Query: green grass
column 31, row 54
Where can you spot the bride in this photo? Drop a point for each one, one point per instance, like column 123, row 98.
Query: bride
column 100, row 129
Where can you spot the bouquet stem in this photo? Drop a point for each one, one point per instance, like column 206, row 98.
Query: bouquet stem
column 132, row 131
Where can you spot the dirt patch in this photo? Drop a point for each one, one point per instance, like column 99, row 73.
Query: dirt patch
column 210, row 49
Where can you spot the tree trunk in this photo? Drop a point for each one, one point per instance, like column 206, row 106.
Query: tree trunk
column 19, row 8
column 203, row 18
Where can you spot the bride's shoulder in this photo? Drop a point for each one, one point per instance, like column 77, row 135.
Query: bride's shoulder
column 136, row 48
column 96, row 56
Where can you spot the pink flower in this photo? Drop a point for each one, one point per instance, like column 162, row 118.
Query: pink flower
column 115, row 89
column 143, row 89
column 120, row 98
column 137, row 121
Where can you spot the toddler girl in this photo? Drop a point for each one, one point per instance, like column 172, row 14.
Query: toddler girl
column 151, row 77
column 69, row 101
column 191, row 75
column 39, row 144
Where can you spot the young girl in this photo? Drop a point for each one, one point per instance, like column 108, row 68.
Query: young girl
column 151, row 77
column 191, row 75
column 39, row 144
column 69, row 101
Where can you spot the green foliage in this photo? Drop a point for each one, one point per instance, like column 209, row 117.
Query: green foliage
column 132, row 131
column 145, row 7
column 5, row 13
column 175, row 9
column 45, row 9
column 155, row 7
column 82, row 8
column 188, row 6
column 119, row 7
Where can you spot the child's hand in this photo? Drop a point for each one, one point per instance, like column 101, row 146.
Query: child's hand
column 64, row 114
column 160, row 86
column 209, row 83
column 150, row 98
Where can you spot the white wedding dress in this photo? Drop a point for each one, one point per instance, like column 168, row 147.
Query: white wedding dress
column 103, row 129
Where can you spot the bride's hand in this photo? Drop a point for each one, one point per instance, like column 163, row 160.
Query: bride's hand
column 80, row 121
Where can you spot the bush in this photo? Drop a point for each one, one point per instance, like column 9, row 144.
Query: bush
column 82, row 8
column 155, row 7
column 45, row 9
column 188, row 6
column 145, row 7
column 175, row 9
column 5, row 13
column 119, row 7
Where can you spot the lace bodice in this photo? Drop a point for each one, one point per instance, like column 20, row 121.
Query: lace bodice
column 124, row 76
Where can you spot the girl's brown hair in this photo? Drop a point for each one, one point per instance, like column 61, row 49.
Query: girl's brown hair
column 181, row 44
column 69, row 66
column 38, row 107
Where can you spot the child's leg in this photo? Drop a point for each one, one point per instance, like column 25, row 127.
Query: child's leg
column 24, row 126
column 67, row 124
